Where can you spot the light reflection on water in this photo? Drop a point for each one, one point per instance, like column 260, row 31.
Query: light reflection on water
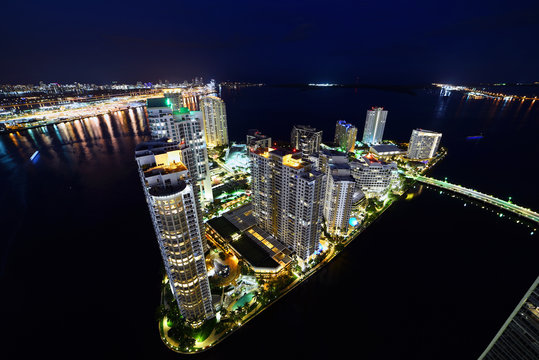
column 105, row 129
column 86, row 179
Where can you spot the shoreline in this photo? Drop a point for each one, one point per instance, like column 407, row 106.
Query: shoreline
column 60, row 121
column 332, row 253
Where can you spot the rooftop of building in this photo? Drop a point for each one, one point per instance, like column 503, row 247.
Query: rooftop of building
column 181, row 111
column 165, row 169
column 223, row 226
column 155, row 147
column 258, row 247
column 158, row 102
column 348, row 178
column 386, row 148
column 242, row 217
column 168, row 190
column 345, row 124
column 345, row 165
column 255, row 132
column 236, row 156
column 428, row 131
column 370, row 160
column 253, row 253
column 307, row 128
column 332, row 152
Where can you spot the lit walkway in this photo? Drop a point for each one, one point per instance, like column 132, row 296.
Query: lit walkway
column 489, row 199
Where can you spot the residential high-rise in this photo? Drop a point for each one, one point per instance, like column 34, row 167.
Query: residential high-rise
column 345, row 135
column 288, row 198
column 175, row 212
column 160, row 118
column 255, row 140
column 423, row 144
column 215, row 124
column 190, row 129
column 373, row 177
column 186, row 127
column 374, row 126
column 327, row 157
column 518, row 339
column 339, row 193
column 306, row 139
column 338, row 201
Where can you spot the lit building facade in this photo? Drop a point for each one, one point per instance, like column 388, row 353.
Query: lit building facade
column 338, row 200
column 186, row 127
column 518, row 339
column 173, row 204
column 215, row 125
column 345, row 135
column 288, row 198
column 375, row 123
column 160, row 118
column 190, row 129
column 373, row 177
column 306, row 139
column 423, row 144
column 339, row 190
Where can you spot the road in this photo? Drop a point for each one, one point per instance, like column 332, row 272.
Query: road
column 489, row 199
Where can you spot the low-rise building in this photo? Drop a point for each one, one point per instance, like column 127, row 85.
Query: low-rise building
column 386, row 150
column 236, row 231
column 373, row 177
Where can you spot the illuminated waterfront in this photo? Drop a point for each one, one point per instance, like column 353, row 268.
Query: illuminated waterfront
column 399, row 275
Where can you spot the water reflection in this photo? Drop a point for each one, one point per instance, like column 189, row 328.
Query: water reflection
column 77, row 139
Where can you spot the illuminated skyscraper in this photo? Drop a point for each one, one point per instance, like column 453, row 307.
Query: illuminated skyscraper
column 345, row 135
column 340, row 186
column 160, row 118
column 288, row 198
column 190, row 130
column 374, row 126
column 518, row 339
column 214, row 116
column 306, row 139
column 423, row 144
column 186, row 127
column 175, row 212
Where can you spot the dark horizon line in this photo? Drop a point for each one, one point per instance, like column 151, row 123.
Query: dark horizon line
column 295, row 84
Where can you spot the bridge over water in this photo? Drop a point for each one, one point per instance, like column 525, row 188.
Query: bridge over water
column 489, row 199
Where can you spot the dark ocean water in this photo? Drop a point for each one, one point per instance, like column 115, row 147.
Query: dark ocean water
column 431, row 279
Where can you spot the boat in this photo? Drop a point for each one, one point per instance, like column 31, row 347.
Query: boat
column 475, row 137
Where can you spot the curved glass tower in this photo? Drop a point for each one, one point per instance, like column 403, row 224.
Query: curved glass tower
column 175, row 215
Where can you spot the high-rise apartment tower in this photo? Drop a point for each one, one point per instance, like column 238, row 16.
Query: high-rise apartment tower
column 345, row 135
column 215, row 125
column 306, row 139
column 173, row 204
column 375, row 123
column 288, row 198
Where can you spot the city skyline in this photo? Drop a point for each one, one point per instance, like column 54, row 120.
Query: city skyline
column 210, row 179
column 365, row 187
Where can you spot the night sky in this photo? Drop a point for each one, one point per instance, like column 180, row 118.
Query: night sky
column 398, row 42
